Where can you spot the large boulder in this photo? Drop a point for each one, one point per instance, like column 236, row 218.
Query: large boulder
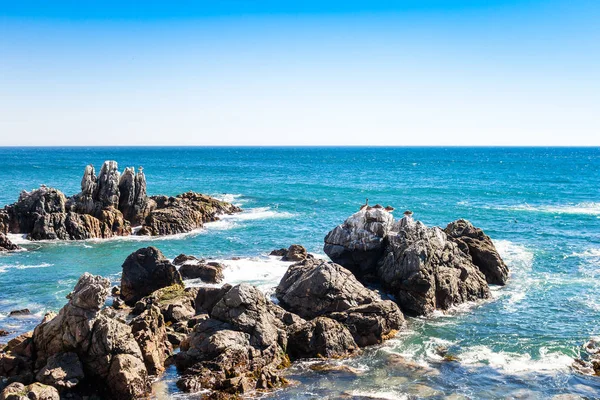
column 358, row 243
column 6, row 244
column 315, row 287
column 426, row 271
column 211, row 272
column 183, row 213
column 31, row 206
column 481, row 249
column 62, row 370
column 145, row 271
column 150, row 332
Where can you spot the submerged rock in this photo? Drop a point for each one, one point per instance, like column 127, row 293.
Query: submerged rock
column 422, row 267
column 145, row 271
column 191, row 267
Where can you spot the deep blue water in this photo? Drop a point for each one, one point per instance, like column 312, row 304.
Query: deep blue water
column 540, row 205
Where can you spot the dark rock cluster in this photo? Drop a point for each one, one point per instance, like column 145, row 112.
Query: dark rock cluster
column 423, row 268
column 108, row 205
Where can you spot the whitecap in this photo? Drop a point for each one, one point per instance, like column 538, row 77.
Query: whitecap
column 584, row 208
column 232, row 198
column 257, row 213
column 512, row 363
column 6, row 267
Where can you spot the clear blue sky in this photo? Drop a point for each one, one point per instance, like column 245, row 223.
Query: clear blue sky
column 414, row 72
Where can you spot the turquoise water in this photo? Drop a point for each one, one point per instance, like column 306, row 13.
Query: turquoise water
column 541, row 206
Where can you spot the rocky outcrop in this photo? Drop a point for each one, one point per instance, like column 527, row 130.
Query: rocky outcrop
column 108, row 205
column 315, row 288
column 183, row 213
column 145, row 271
column 238, row 349
column 479, row 246
column 6, row 244
column 423, row 268
column 150, row 332
column 83, row 342
column 358, row 243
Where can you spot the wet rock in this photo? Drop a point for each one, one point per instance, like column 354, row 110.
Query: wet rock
column 321, row 337
column 211, row 272
column 4, row 332
column 19, row 313
column 63, row 371
column 279, row 252
column 358, row 243
column 589, row 362
column 296, row 253
column 184, row 258
column 6, row 244
column 316, row 287
column 145, row 271
column 481, row 249
column 35, row 391
column 183, row 213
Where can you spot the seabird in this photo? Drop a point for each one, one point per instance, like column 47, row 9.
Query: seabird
column 408, row 213
column 366, row 204
column 389, row 208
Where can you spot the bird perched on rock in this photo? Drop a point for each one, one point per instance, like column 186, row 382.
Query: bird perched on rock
column 389, row 208
column 366, row 204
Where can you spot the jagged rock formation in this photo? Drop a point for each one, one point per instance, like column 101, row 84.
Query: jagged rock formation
column 424, row 268
column 294, row 253
column 479, row 246
column 108, row 205
column 145, row 271
column 6, row 244
column 83, row 343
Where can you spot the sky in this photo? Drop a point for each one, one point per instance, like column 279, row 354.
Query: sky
column 260, row 73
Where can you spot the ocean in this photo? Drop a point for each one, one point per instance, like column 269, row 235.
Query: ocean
column 541, row 206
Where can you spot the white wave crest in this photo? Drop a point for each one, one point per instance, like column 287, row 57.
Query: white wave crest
column 6, row 267
column 519, row 260
column 230, row 198
column 585, row 208
column 513, row 362
column 257, row 213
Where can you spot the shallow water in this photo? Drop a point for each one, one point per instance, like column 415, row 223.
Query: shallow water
column 541, row 206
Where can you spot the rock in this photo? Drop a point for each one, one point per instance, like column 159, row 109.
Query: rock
column 19, row 313
column 422, row 267
column 279, row 252
column 145, row 271
column 238, row 349
column 183, row 258
column 207, row 297
column 150, row 332
column 211, row 272
column 315, row 287
column 296, row 253
column 183, row 213
column 175, row 303
column 481, row 249
column 35, row 391
column 106, row 206
column 105, row 346
column 4, row 332
column 62, row 370
column 6, row 244
column 133, row 201
column 371, row 323
column 426, row 271
column 321, row 337
column 358, row 243
column 589, row 362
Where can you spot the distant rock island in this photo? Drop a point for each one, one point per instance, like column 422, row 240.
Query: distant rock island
column 109, row 205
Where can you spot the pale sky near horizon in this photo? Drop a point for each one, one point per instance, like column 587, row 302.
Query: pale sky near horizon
column 412, row 72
